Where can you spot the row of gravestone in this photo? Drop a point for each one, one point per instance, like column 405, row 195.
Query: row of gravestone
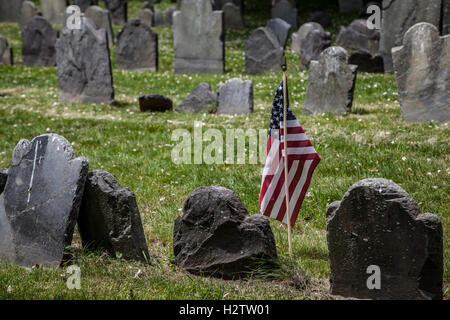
column 47, row 190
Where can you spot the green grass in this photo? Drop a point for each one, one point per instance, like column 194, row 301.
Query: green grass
column 136, row 148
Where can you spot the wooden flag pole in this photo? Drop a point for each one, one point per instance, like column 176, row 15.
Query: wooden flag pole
column 286, row 173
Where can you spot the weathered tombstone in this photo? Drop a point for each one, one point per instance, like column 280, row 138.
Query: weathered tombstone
column 10, row 10
column 233, row 16
column 357, row 36
column 84, row 65
column 216, row 236
column 84, row 4
column 27, row 12
column 6, row 52
column 198, row 38
column 300, row 36
column 109, row 218
column 315, row 41
column 377, row 231
column 40, row 204
column 398, row 17
column 321, row 18
column 351, row 6
column 137, row 47
column 366, row 62
column 38, row 43
column 285, row 11
column 280, row 28
column 331, row 83
column 422, row 70
column 158, row 18
column 155, row 103
column 169, row 16
column 148, row 5
column 235, row 97
column 3, row 179
column 198, row 100
column 53, row 10
column 118, row 9
column 146, row 16
column 220, row 4
column 263, row 52
column 101, row 19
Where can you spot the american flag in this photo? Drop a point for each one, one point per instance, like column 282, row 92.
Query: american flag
column 302, row 160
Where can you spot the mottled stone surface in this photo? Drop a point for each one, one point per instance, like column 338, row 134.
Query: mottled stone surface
column 38, row 43
column 263, row 52
column 169, row 16
column 280, row 28
column 314, row 43
column 198, row 38
column 109, row 218
column 198, row 100
column 215, row 236
column 146, row 16
column 102, row 19
column 10, row 10
column 235, row 97
column 285, row 11
column 6, row 52
column 366, row 62
column 84, row 65
column 40, row 204
column 233, row 16
column 118, row 9
column 27, row 12
column 53, row 10
column 300, row 36
column 331, row 83
column 155, row 103
column 158, row 18
column 378, row 223
column 137, row 47
column 357, row 36
column 422, row 70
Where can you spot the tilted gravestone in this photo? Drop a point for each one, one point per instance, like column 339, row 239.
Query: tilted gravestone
column 137, row 47
column 357, row 36
column 10, row 10
column 300, row 36
column 315, row 42
column 109, row 218
column 381, row 246
column 84, row 4
column 101, row 19
column 285, row 11
column 351, row 6
column 331, row 83
column 280, row 28
column 198, row 38
column 40, row 204
column 146, row 16
column 53, row 10
column 38, row 43
column 366, row 62
column 6, row 52
column 27, row 12
column 84, row 65
column 158, row 18
column 235, row 96
column 263, row 52
column 198, row 100
column 216, row 236
column 422, row 70
column 398, row 17
column 169, row 16
column 233, row 16
column 118, row 9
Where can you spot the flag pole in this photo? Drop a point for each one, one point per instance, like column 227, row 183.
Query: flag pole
column 286, row 173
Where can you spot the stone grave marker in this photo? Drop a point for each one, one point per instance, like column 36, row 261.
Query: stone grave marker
column 233, row 16
column 118, row 9
column 38, row 43
column 357, row 36
column 235, row 96
column 54, row 10
column 263, row 52
column 101, row 19
column 198, row 100
column 146, row 16
column 285, row 11
column 10, row 10
column 27, row 12
column 6, row 52
column 280, row 28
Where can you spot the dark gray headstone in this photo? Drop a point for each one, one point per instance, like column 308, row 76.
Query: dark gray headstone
column 53, row 10
column 321, row 18
column 27, row 12
column 357, row 36
column 118, row 9
column 198, row 100
column 101, row 19
column 300, row 36
column 215, row 236
column 6, row 52
column 235, row 96
column 378, row 224
column 137, row 47
column 84, row 4
column 331, row 83
column 158, row 18
column 3, row 179
column 109, row 218
column 155, row 103
column 169, row 16
column 40, row 204
column 38, row 43
column 366, row 62
column 84, row 65
column 233, row 16
column 314, row 43
column 198, row 38
column 10, row 10
column 146, row 16
column 220, row 4
column 280, row 28
column 285, row 11
column 398, row 17
column 351, row 6
column 422, row 70
column 263, row 52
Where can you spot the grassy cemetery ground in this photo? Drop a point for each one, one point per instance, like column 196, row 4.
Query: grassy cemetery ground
column 136, row 148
